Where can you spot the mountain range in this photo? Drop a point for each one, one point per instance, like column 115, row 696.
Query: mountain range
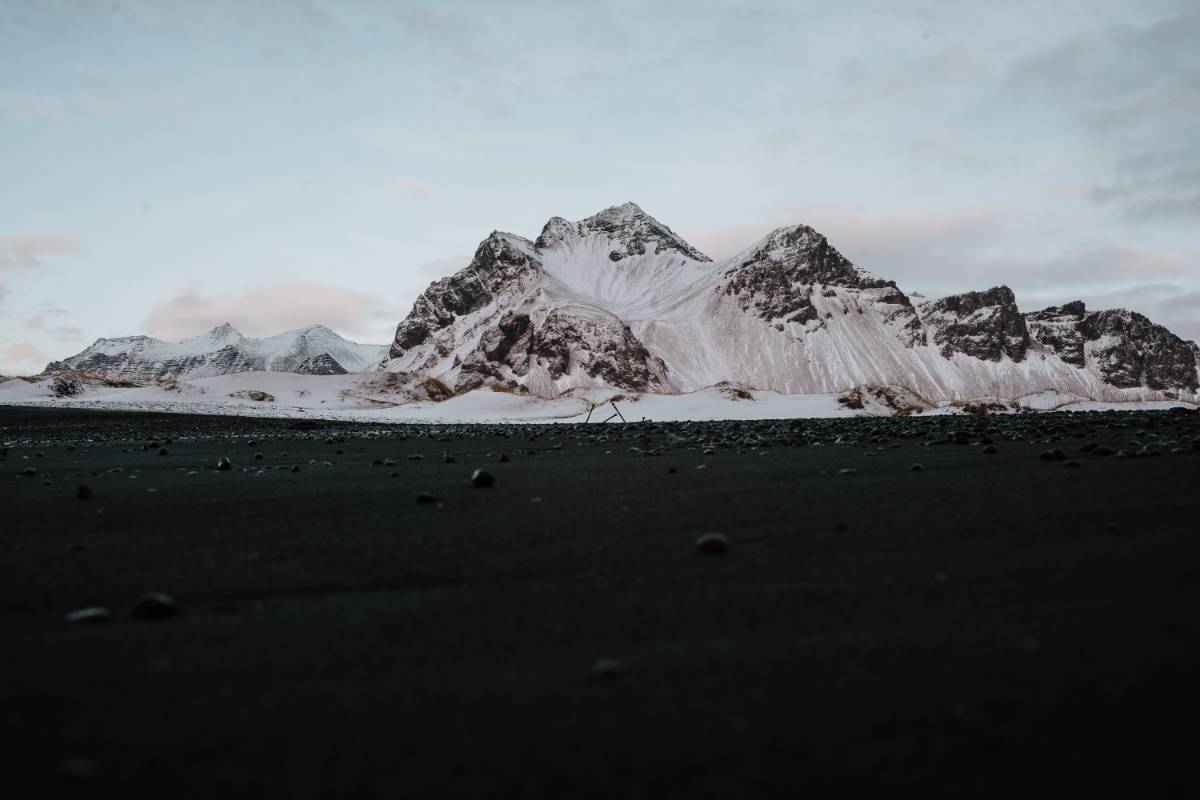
column 620, row 301
column 314, row 350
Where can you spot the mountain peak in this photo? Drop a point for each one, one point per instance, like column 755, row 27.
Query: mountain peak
column 223, row 331
column 631, row 229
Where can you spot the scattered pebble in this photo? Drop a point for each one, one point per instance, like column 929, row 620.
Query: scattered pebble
column 715, row 543
column 78, row 770
column 154, row 605
column 90, row 614
column 606, row 669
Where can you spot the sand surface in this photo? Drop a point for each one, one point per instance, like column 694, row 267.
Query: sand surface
column 992, row 624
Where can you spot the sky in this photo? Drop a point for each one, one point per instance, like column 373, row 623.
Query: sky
column 168, row 166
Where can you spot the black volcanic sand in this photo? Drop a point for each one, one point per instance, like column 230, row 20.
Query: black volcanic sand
column 994, row 623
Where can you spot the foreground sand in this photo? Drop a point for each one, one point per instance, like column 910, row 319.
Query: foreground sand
column 993, row 623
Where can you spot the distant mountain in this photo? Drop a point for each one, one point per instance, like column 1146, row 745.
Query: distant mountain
column 314, row 349
column 619, row 300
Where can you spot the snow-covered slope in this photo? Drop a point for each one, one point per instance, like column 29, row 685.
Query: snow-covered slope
column 314, row 349
column 618, row 300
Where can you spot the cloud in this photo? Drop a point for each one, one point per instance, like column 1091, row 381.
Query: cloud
column 44, row 313
column 25, row 357
column 28, row 251
column 268, row 309
column 1131, row 91
column 66, row 333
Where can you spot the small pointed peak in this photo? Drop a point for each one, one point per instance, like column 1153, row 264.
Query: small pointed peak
column 554, row 231
column 631, row 229
column 223, row 330
column 316, row 327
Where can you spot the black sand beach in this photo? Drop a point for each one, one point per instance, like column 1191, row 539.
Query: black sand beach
column 994, row 623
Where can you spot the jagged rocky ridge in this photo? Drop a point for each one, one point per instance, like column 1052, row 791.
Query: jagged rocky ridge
column 619, row 300
column 314, row 350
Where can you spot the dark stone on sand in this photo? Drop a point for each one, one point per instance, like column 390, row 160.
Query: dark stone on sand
column 481, row 479
column 714, row 543
column 89, row 615
column 224, row 464
column 83, row 492
column 606, row 669
column 154, row 605
column 425, row 498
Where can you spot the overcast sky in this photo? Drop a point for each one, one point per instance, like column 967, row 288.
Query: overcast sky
column 166, row 166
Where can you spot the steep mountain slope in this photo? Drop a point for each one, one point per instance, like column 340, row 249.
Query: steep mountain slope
column 314, row 349
column 619, row 300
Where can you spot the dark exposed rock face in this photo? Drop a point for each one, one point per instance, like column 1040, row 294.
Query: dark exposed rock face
column 323, row 364
column 630, row 229
column 777, row 279
column 604, row 348
column 502, row 261
column 1059, row 329
column 1127, row 348
column 127, row 366
column 985, row 325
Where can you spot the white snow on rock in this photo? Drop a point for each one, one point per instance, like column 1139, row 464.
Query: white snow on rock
column 619, row 301
column 221, row 351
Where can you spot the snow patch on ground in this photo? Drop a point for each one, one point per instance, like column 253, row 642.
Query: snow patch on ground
column 396, row 397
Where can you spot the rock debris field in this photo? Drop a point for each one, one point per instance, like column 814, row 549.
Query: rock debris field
column 961, row 605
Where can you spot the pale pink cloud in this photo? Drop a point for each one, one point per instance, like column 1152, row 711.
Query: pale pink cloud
column 45, row 313
column 66, row 333
column 28, row 251
column 25, row 356
column 268, row 309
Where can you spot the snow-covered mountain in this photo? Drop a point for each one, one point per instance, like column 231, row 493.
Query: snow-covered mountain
column 314, row 350
column 619, row 300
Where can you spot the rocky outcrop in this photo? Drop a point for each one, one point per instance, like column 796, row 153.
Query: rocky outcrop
column 323, row 364
column 1125, row 347
column 602, row 348
column 782, row 278
column 503, row 265
column 1059, row 330
column 628, row 229
column 984, row 325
